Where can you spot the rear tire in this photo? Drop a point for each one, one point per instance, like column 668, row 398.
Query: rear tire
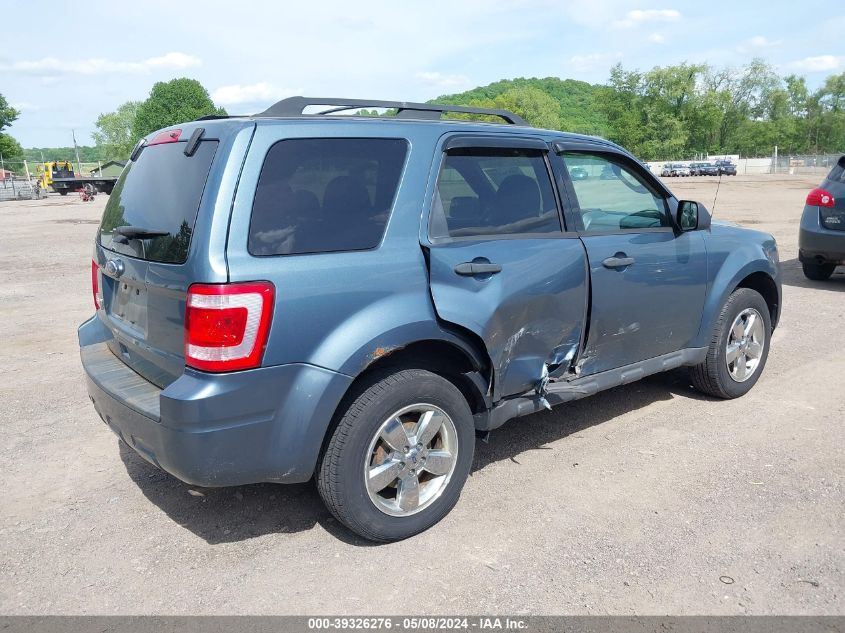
column 385, row 480
column 817, row 272
column 738, row 349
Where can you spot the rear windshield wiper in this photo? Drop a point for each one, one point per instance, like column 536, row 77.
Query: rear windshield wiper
column 137, row 232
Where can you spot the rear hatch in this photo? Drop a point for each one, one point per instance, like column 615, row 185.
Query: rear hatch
column 834, row 217
column 150, row 248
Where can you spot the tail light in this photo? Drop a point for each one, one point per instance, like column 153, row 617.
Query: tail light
column 95, row 284
column 226, row 325
column 169, row 136
column 820, row 198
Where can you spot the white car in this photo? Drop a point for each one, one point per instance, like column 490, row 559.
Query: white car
column 675, row 169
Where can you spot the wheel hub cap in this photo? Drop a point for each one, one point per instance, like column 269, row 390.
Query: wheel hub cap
column 411, row 459
column 746, row 341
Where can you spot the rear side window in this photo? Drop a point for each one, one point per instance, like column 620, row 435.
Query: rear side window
column 324, row 195
column 483, row 192
column 160, row 192
column 837, row 174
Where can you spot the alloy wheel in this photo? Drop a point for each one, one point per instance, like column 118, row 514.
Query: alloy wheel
column 745, row 344
column 411, row 459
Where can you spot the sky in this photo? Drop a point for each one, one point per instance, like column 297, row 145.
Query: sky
column 80, row 59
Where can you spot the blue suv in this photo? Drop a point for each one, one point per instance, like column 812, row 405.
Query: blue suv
column 354, row 298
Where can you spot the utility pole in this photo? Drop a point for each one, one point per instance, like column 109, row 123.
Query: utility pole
column 76, row 149
column 775, row 161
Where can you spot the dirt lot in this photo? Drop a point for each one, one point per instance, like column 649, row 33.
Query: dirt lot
column 646, row 499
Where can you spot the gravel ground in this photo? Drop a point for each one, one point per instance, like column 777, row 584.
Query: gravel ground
column 646, row 499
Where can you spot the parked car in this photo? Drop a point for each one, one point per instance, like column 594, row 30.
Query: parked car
column 675, row 169
column 286, row 296
column 725, row 168
column 821, row 238
column 578, row 173
column 703, row 169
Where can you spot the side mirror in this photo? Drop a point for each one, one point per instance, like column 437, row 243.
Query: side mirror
column 692, row 215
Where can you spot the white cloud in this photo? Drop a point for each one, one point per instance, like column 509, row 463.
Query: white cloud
column 593, row 61
column 172, row 60
column 251, row 93
column 760, row 41
column 757, row 42
column 440, row 80
column 656, row 38
column 54, row 67
column 819, row 63
column 25, row 106
column 638, row 17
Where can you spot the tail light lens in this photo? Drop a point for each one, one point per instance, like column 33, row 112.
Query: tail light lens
column 820, row 198
column 226, row 325
column 95, row 284
column 170, row 136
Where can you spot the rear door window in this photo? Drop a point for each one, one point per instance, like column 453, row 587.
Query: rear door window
column 489, row 192
column 325, row 195
column 158, row 192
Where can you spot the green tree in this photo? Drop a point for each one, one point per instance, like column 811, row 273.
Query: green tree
column 172, row 102
column 114, row 134
column 829, row 109
column 10, row 149
column 575, row 101
column 533, row 105
column 87, row 154
column 7, row 113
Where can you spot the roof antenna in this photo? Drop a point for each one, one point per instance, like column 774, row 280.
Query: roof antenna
column 718, row 184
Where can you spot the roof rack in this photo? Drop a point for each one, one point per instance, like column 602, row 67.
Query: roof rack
column 294, row 106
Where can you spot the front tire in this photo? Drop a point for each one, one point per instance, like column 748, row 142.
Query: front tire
column 397, row 460
column 817, row 272
column 738, row 349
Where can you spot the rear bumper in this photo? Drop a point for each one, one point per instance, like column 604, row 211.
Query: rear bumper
column 818, row 244
column 265, row 424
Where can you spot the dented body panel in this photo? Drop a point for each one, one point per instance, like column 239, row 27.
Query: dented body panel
column 650, row 308
column 529, row 315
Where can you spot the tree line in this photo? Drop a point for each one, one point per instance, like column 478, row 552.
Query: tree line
column 668, row 112
column 674, row 112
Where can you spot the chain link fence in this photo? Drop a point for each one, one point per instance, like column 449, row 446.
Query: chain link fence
column 818, row 165
column 17, row 188
column 805, row 164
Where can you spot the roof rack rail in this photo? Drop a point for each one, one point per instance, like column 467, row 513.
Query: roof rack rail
column 294, row 106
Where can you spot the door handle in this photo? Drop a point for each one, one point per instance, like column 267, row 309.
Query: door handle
column 477, row 268
column 618, row 262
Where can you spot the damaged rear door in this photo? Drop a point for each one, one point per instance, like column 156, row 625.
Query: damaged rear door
column 501, row 263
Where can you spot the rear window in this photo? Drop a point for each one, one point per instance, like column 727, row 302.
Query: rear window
column 159, row 192
column 324, row 195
